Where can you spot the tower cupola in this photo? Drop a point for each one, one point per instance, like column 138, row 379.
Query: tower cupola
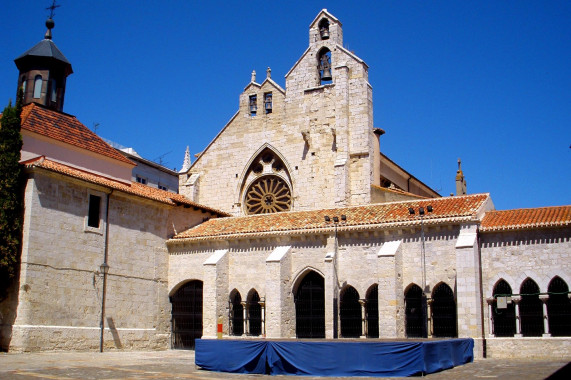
column 43, row 72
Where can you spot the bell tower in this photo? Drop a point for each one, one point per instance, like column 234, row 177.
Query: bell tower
column 43, row 72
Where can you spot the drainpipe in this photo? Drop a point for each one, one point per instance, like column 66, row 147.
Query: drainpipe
column 104, row 269
column 483, row 319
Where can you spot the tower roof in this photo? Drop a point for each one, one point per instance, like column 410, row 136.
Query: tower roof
column 44, row 49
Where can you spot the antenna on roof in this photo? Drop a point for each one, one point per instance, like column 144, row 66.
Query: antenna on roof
column 159, row 159
column 95, row 127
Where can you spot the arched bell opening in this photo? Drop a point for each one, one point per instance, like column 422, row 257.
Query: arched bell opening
column 324, row 29
column 324, row 66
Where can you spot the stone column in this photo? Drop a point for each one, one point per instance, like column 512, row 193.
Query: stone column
column 246, row 318
column 429, row 326
column 490, row 302
column 331, row 291
column 515, row 300
column 546, row 331
column 263, row 309
column 215, row 292
column 363, row 304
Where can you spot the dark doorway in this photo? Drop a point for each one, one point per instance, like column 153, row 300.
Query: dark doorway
column 443, row 312
column 559, row 308
column 310, row 307
column 350, row 313
column 413, row 312
column 186, row 315
column 372, row 312
column 254, row 314
column 504, row 319
column 530, row 309
column 236, row 314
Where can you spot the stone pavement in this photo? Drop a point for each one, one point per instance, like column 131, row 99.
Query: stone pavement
column 180, row 365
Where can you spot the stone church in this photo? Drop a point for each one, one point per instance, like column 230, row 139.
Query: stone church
column 290, row 224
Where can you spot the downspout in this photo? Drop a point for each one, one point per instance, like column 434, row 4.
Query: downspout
column 105, row 255
column 483, row 309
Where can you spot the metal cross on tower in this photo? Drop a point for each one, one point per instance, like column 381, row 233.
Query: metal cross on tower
column 52, row 8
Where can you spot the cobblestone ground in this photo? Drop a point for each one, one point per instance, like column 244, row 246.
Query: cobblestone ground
column 180, row 365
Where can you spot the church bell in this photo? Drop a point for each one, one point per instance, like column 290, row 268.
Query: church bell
column 324, row 31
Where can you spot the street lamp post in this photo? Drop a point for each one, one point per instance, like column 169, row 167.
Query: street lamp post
column 335, row 275
column 421, row 213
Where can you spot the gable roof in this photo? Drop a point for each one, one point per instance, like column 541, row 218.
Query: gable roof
column 133, row 188
column 526, row 218
column 374, row 216
column 66, row 128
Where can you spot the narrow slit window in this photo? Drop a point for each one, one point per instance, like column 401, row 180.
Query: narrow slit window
column 53, row 90
column 94, row 211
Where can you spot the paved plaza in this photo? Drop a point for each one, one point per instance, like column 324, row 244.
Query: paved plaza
column 175, row 364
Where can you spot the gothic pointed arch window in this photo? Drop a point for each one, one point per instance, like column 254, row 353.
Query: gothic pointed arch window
column 530, row 309
column 324, row 66
column 236, row 313
column 254, row 313
column 503, row 318
column 267, row 185
column 372, row 311
column 413, row 311
column 559, row 308
column 443, row 312
column 350, row 313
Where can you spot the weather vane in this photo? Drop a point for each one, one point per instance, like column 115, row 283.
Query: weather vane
column 52, row 8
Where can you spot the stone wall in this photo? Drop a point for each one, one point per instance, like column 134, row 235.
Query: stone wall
column 60, row 288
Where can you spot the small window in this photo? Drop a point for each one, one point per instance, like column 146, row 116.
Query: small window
column 253, row 105
column 37, row 86
column 53, row 90
column 142, row 180
column 268, row 102
column 93, row 216
column 162, row 187
column 24, row 83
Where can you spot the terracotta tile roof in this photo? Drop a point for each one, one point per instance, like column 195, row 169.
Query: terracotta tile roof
column 525, row 218
column 134, row 188
column 380, row 215
column 66, row 128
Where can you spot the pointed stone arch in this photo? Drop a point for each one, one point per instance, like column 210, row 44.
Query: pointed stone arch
column 186, row 317
column 350, row 312
column 309, row 299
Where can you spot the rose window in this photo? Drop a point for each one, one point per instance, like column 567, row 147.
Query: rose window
column 268, row 194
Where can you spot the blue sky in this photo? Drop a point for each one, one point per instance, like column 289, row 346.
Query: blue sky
column 486, row 81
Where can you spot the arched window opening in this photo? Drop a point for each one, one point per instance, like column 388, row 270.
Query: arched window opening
column 24, row 86
column 53, row 90
column 372, row 312
column 254, row 314
column 324, row 29
column 186, row 315
column 443, row 312
column 324, row 66
column 413, row 312
column 268, row 190
column 559, row 308
column 268, row 102
column 236, row 314
column 310, row 307
column 37, row 86
column 503, row 318
column 530, row 309
column 350, row 313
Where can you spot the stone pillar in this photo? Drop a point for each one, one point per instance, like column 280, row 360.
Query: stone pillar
column 331, row 291
column 391, row 296
column 215, row 292
column 546, row 331
column 515, row 300
column 363, row 304
column 246, row 318
column 429, row 326
column 468, row 293
column 279, row 308
column 263, row 308
column 490, row 302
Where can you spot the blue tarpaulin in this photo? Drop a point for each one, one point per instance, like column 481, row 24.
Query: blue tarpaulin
column 332, row 358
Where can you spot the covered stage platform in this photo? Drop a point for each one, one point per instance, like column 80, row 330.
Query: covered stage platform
column 333, row 357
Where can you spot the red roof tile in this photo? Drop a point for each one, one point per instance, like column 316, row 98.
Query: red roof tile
column 134, row 188
column 66, row 128
column 525, row 218
column 388, row 214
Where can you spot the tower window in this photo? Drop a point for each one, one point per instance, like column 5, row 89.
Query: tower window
column 253, row 105
column 268, row 102
column 324, row 29
column 37, row 86
column 24, row 83
column 324, row 66
column 53, row 90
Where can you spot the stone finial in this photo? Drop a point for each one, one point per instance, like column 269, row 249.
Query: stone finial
column 460, row 180
column 269, row 73
column 253, row 75
column 186, row 163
